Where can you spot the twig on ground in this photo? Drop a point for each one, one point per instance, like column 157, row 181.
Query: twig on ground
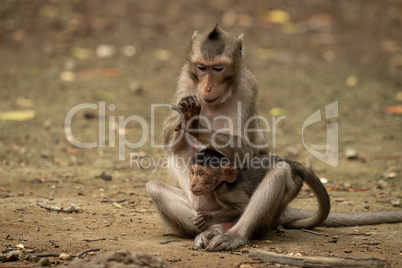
column 42, row 255
column 311, row 232
column 93, row 240
column 15, row 255
column 169, row 241
column 372, row 243
column 84, row 252
column 365, row 234
column 309, row 261
column 71, row 209
column 51, row 249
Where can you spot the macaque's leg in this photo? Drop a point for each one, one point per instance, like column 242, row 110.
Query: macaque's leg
column 174, row 208
column 260, row 213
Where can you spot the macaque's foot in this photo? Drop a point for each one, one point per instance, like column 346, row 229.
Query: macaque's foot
column 226, row 241
column 201, row 221
column 191, row 109
column 202, row 240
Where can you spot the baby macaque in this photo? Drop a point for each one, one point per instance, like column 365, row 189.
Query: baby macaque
column 233, row 186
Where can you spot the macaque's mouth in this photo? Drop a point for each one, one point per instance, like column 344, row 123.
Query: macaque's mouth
column 197, row 193
column 210, row 100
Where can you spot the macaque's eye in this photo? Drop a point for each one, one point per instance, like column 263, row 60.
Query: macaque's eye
column 201, row 173
column 201, row 67
column 192, row 171
column 218, row 68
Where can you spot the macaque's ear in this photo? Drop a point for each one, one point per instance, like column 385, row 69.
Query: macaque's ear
column 240, row 44
column 229, row 173
column 194, row 35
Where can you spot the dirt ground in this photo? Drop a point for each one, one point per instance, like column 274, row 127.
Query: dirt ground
column 55, row 55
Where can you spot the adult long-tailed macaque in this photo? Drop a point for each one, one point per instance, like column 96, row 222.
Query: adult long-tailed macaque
column 227, row 92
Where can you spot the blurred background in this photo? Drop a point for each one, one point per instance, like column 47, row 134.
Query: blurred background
column 305, row 55
column 55, row 55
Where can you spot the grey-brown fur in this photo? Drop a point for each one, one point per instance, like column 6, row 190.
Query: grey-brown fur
column 177, row 206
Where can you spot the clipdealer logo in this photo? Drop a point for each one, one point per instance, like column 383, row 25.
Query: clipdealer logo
column 330, row 156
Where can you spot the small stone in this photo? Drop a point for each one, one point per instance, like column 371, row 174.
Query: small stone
column 351, row 153
column 398, row 96
column 382, row 184
column 105, row 51
column 33, row 258
column 136, row 88
column 391, row 175
column 67, row 76
column 396, row 203
column 324, row 180
column 351, row 81
column 44, row 262
column 65, row 256
column 129, row 51
column 105, row 176
column 280, row 229
column 47, row 124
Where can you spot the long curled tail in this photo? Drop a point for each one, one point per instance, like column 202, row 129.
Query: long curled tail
column 324, row 206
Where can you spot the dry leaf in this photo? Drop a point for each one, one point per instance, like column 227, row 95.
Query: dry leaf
column 357, row 189
column 162, row 55
column 277, row 111
column 96, row 73
column 67, row 76
column 394, row 109
column 18, row 115
column 117, row 205
column 335, row 188
column 48, row 11
column 278, row 16
column 391, row 156
column 26, row 103
column 81, row 53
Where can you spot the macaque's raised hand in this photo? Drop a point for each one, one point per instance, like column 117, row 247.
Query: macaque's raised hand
column 190, row 109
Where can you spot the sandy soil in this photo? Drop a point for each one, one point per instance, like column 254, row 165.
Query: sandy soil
column 310, row 55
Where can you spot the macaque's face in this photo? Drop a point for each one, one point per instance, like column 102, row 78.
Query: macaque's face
column 215, row 59
column 213, row 77
column 202, row 180
column 205, row 179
